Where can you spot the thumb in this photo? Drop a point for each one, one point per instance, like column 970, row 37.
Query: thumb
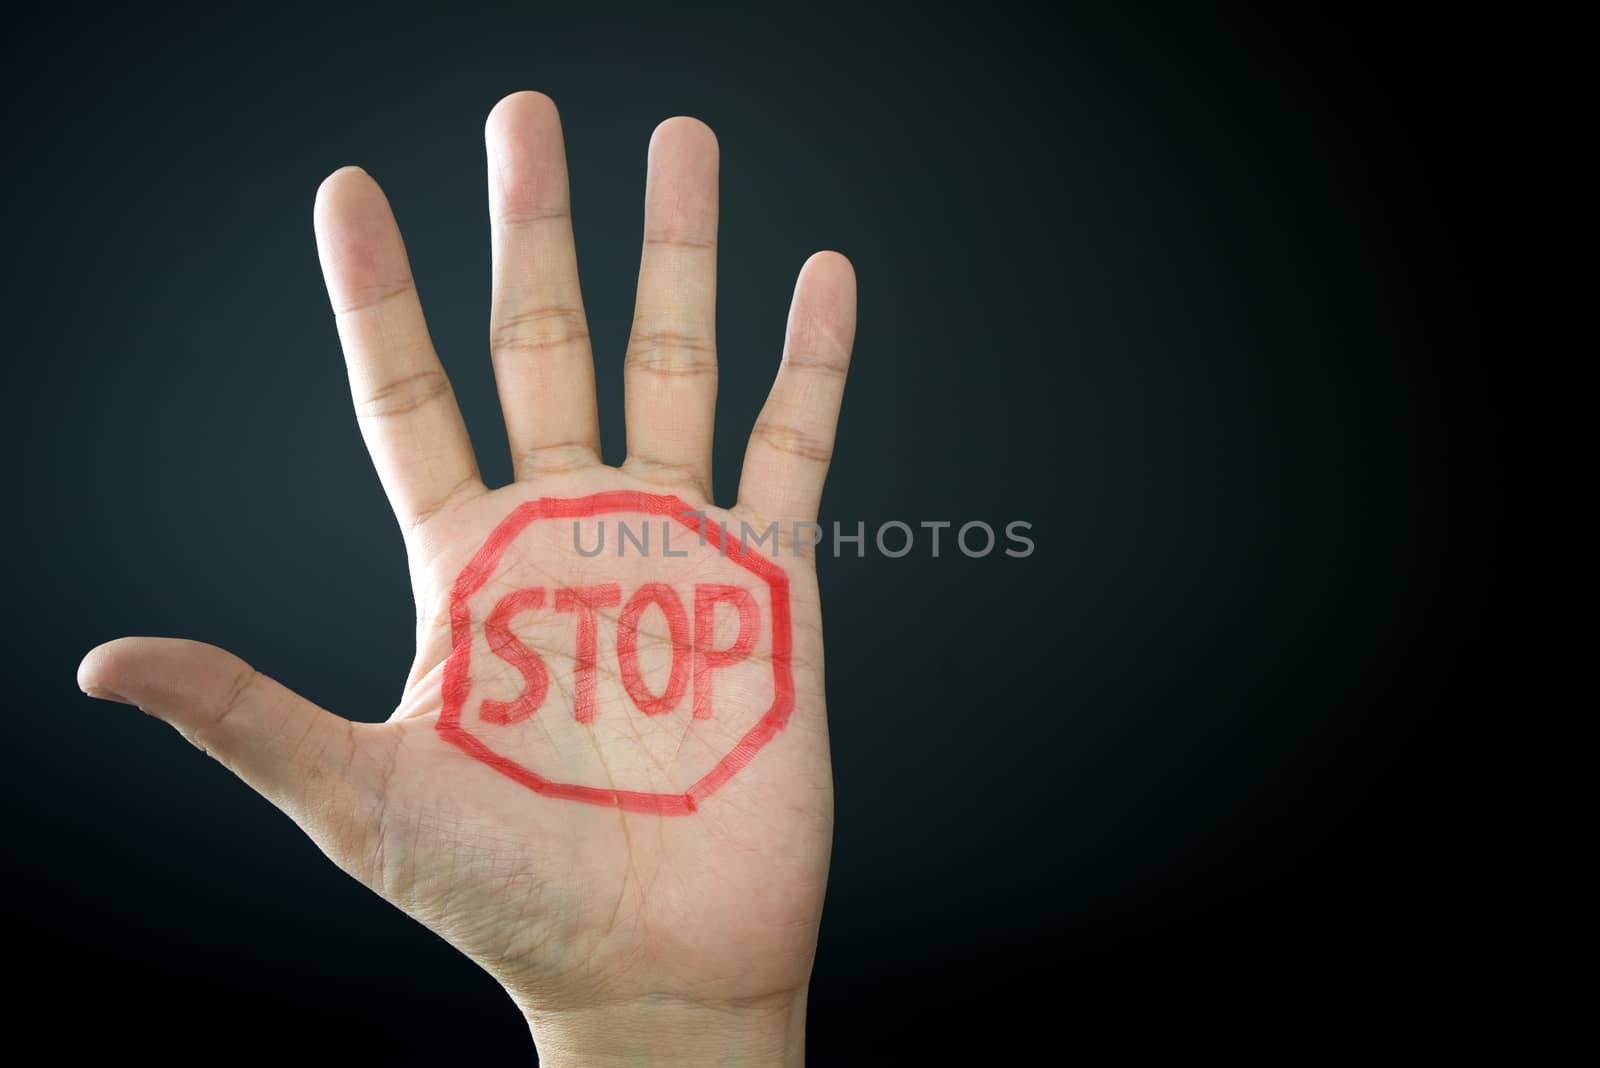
column 300, row 757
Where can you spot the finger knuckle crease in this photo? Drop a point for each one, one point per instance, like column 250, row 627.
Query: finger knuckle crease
column 451, row 496
column 557, row 456
column 532, row 216
column 662, row 352
column 793, row 441
column 540, row 329
column 672, row 241
column 372, row 296
column 404, row 395
column 247, row 680
column 813, row 365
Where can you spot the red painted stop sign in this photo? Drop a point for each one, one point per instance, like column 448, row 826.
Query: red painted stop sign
column 521, row 712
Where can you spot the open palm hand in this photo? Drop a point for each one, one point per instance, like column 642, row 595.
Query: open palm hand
column 607, row 779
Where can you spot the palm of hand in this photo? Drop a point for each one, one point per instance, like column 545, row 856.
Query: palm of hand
column 558, row 896
column 568, row 902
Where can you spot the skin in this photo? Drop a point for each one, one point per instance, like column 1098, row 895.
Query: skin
column 623, row 937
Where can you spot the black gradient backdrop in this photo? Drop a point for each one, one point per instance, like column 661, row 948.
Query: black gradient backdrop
column 1187, row 290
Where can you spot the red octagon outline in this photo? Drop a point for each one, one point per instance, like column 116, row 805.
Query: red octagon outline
column 458, row 681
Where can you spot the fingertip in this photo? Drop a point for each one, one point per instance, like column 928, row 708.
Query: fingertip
column 827, row 283
column 684, row 133
column 835, row 266
column 527, row 158
column 358, row 240
column 91, row 669
column 681, row 183
column 822, row 318
column 339, row 179
column 145, row 671
column 527, row 105
column 112, row 669
column 348, row 194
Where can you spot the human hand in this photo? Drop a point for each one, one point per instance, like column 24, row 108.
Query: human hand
column 607, row 778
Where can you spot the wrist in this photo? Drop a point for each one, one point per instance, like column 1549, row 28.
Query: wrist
column 666, row 1030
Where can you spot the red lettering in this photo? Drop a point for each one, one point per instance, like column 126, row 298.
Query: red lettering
column 508, row 648
column 584, row 600
column 665, row 598
column 694, row 654
column 707, row 596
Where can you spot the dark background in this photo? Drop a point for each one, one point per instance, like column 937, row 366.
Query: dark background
column 1194, row 291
